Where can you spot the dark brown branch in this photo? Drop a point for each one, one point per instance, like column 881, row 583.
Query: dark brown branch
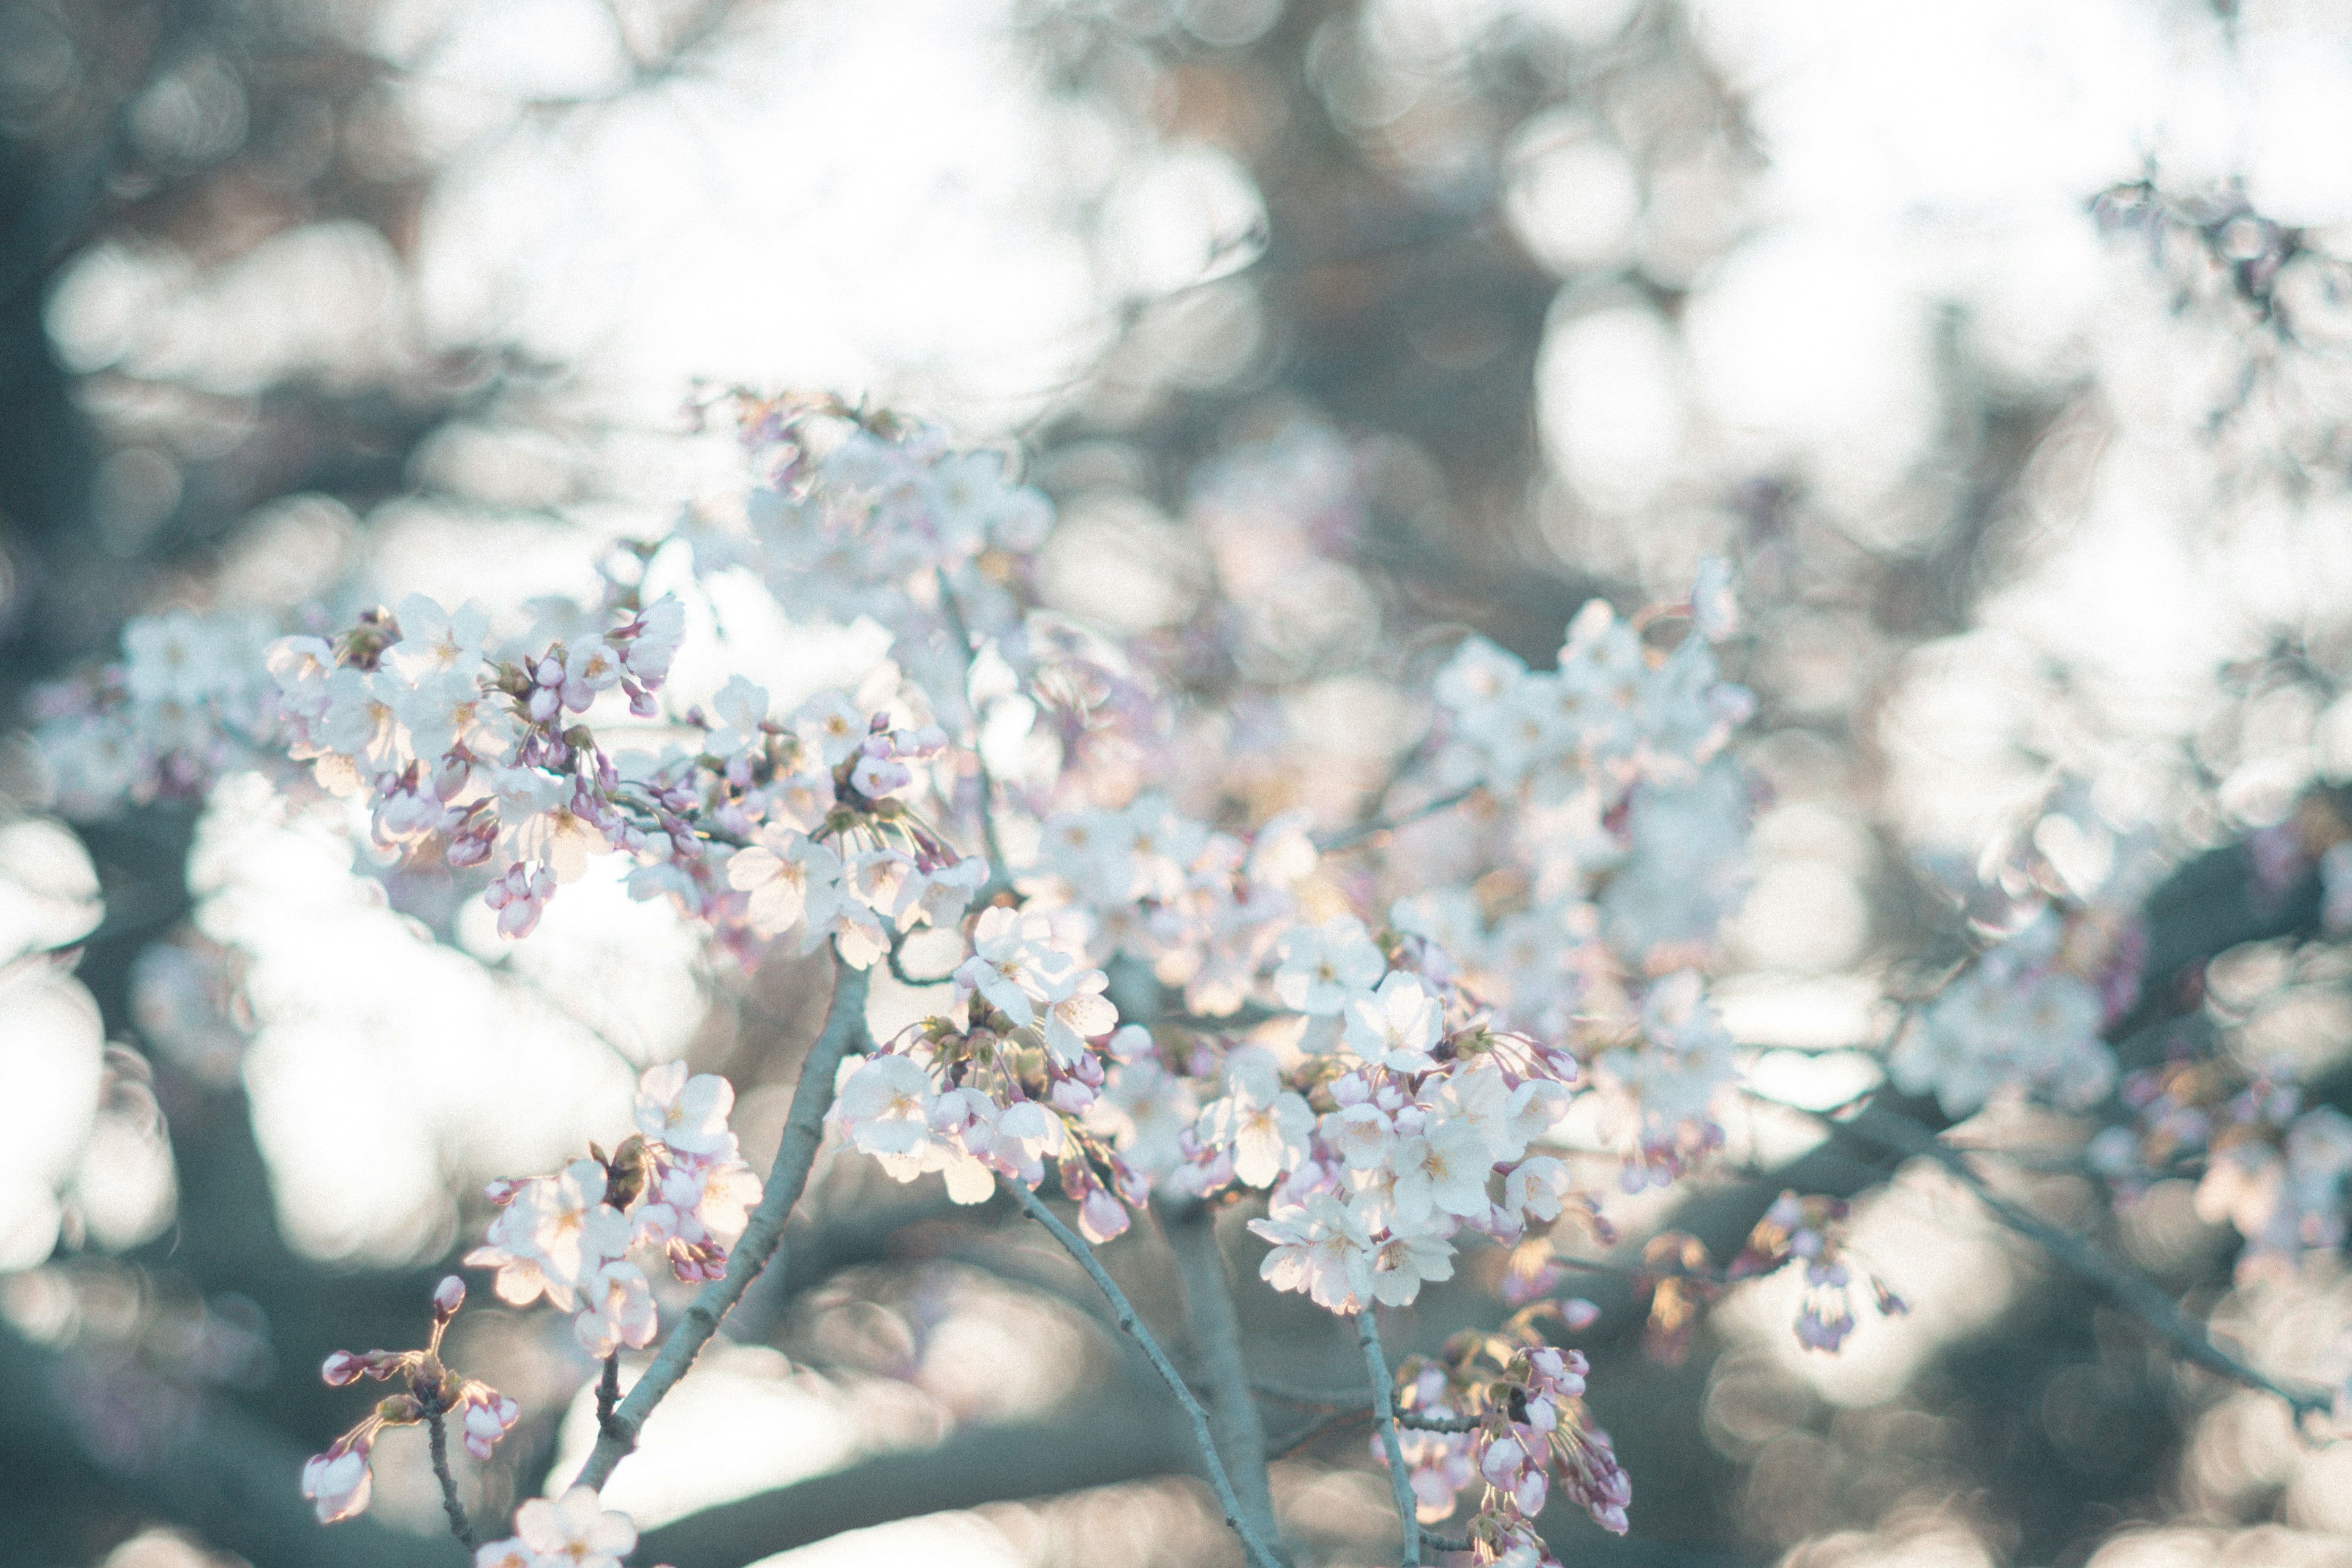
column 437, row 1425
column 608, row 1394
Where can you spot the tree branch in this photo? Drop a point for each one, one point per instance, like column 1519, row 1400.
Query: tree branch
column 458, row 1524
column 1103, row 1443
column 1190, row 1227
column 1132, row 1326
column 2125, row 1286
column 1384, row 1418
column 1346, row 838
column 608, row 1394
column 763, row 1239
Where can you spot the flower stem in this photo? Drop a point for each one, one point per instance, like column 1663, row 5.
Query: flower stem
column 459, row 1525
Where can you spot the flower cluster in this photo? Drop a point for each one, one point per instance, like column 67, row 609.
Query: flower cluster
column 340, row 1481
column 1204, row 910
column 1416, row 1122
column 1505, row 1411
column 676, row 1186
column 832, row 773
column 855, row 513
column 2027, row 1014
column 189, row 701
column 464, row 742
column 1003, row 1081
column 1612, row 713
column 2276, row 1170
column 1809, row 1232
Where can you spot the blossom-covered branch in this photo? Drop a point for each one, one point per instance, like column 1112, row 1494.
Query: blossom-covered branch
column 845, row 1028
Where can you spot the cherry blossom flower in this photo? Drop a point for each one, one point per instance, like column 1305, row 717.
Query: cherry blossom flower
column 616, row 1309
column 1325, row 967
column 1395, row 1026
column 791, row 878
column 1320, row 1248
column 573, row 1531
column 338, row 1482
column 1265, row 1126
column 690, row 1114
column 1441, row 1171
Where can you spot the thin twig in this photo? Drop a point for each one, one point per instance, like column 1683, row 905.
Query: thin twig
column 1190, row 1227
column 763, row 1239
column 999, row 875
column 1384, row 1418
column 459, row 1526
column 1373, row 826
column 1316, row 1398
column 608, row 1394
column 896, row 953
column 1316, row 1431
column 1640, row 1273
column 2129, row 1288
column 1353, row 1406
column 1132, row 1326
column 1421, row 1423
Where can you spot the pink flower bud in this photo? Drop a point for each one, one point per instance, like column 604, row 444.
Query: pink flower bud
column 448, row 1297
column 1101, row 1215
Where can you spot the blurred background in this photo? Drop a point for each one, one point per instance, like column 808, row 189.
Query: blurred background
column 2000, row 344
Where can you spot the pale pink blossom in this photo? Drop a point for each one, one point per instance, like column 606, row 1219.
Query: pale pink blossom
column 616, row 1309
column 690, row 1114
column 575, row 1531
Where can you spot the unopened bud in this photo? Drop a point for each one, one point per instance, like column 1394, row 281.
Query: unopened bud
column 343, row 1367
column 448, row 1297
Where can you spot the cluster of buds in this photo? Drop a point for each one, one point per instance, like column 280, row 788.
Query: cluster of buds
column 460, row 740
column 338, row 1482
column 2276, row 1170
column 1003, row 1081
column 678, row 1187
column 1506, row 1411
column 845, row 851
column 1810, row 1232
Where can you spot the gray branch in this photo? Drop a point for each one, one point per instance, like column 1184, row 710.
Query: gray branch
column 763, row 1239
column 1191, row 1231
column 1132, row 1326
